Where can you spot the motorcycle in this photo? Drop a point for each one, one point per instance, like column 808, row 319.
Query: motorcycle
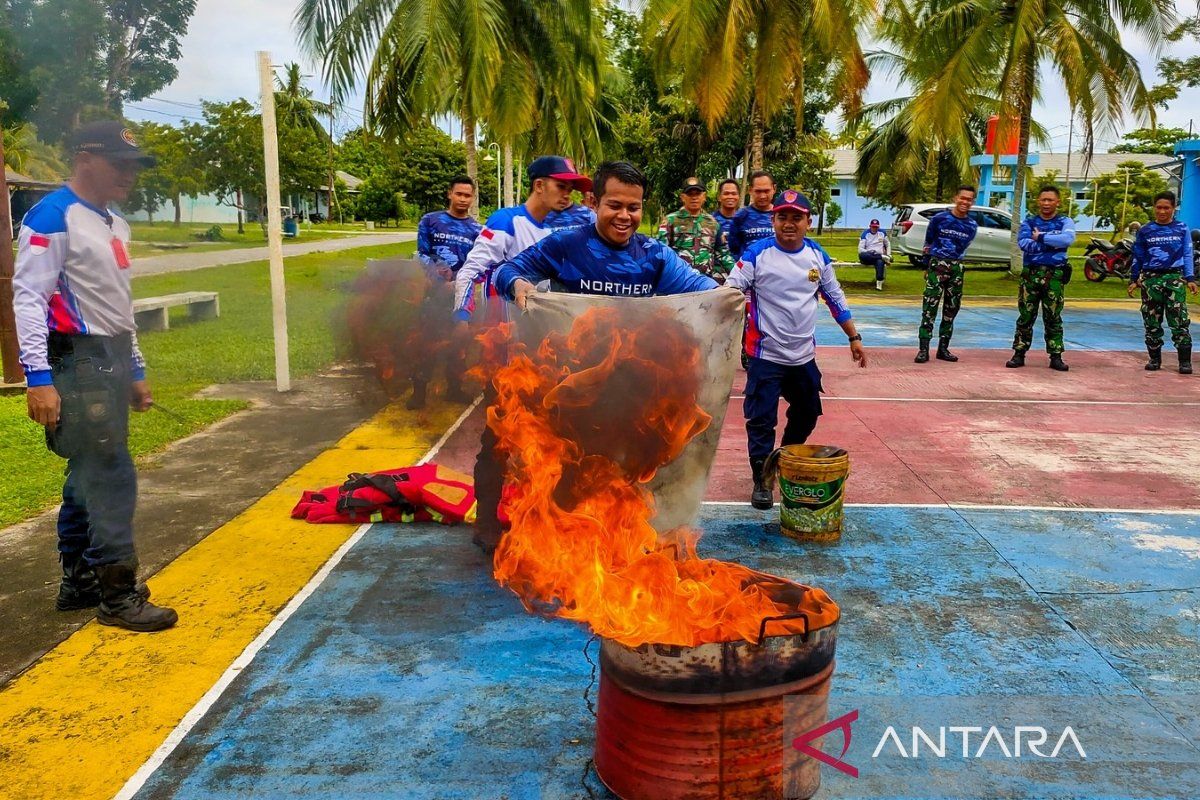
column 1104, row 259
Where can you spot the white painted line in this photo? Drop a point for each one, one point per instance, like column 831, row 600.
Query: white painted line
column 173, row 740
column 972, row 507
column 1006, row 402
column 437, row 446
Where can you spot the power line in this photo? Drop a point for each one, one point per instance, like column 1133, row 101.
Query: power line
column 174, row 102
column 165, row 113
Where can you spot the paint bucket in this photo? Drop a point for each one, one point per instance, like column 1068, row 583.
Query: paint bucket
column 812, row 482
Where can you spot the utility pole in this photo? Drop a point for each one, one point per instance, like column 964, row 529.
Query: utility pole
column 329, row 194
column 9, row 351
column 283, row 378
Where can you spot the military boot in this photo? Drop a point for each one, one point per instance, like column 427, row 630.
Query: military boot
column 943, row 351
column 80, row 588
column 1017, row 361
column 417, row 401
column 120, row 604
column 1185, row 360
column 1155, row 362
column 762, row 497
column 922, row 352
column 1057, row 364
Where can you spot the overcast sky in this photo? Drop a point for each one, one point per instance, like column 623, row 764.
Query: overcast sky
column 219, row 64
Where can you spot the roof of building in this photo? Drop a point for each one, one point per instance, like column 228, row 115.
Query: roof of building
column 845, row 163
column 16, row 180
column 353, row 184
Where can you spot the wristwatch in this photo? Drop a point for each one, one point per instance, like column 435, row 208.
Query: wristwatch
column 855, row 338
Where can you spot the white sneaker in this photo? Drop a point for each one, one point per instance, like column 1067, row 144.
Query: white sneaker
column 879, row 286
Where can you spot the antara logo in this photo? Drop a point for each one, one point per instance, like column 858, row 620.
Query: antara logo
column 1025, row 740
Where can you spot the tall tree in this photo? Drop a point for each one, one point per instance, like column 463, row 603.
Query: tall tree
column 1078, row 40
column 141, row 46
column 718, row 52
column 423, row 58
column 180, row 170
column 295, row 104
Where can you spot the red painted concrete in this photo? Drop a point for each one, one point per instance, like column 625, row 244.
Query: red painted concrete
column 1055, row 454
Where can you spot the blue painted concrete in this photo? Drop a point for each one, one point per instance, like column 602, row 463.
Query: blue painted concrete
column 409, row 674
column 1189, row 190
column 991, row 327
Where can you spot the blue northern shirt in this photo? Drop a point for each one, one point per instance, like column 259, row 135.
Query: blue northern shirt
column 749, row 226
column 726, row 223
column 1050, row 248
column 583, row 263
column 444, row 239
column 570, row 218
column 948, row 236
column 1163, row 248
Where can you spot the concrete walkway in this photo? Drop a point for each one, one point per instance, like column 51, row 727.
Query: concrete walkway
column 182, row 262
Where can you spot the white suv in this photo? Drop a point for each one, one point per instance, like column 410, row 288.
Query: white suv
column 990, row 245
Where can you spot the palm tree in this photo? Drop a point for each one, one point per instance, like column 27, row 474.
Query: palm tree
column 1079, row 40
column 497, row 61
column 718, row 51
column 295, row 105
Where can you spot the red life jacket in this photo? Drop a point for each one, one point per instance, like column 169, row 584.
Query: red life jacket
column 413, row 494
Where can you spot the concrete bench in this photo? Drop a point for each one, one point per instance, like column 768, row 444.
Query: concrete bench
column 150, row 313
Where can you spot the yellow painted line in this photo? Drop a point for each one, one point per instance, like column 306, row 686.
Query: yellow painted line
column 83, row 719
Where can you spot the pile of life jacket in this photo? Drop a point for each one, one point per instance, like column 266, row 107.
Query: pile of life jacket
column 425, row 493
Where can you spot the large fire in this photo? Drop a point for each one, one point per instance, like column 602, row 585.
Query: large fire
column 585, row 422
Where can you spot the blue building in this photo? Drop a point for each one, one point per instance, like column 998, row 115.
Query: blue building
column 856, row 214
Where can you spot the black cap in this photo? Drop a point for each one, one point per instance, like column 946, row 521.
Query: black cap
column 112, row 139
column 693, row 184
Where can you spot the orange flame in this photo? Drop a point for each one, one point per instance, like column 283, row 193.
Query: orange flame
column 584, row 423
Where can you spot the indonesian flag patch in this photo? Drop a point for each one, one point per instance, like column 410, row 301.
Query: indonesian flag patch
column 38, row 244
column 485, row 233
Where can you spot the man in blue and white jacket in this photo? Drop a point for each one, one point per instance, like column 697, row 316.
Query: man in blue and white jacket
column 1044, row 239
column 511, row 230
column 84, row 370
column 786, row 277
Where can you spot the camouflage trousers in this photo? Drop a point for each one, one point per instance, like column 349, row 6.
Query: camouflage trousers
column 1165, row 294
column 943, row 285
column 1040, row 286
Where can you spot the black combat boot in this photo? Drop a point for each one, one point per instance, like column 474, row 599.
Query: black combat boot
column 80, row 588
column 944, row 353
column 922, row 352
column 122, row 606
column 1185, row 360
column 762, row 497
column 1155, row 362
column 417, row 401
column 1017, row 361
column 1057, row 364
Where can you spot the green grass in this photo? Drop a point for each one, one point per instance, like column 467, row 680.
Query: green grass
column 180, row 239
column 235, row 347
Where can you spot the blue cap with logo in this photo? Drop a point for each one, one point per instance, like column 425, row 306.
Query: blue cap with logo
column 790, row 198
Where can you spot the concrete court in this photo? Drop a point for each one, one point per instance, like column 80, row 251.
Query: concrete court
column 977, row 560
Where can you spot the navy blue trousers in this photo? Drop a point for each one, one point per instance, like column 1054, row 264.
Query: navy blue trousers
column 92, row 376
column 766, row 382
column 876, row 261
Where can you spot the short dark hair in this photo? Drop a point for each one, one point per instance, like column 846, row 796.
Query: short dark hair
column 966, row 187
column 457, row 179
column 1050, row 188
column 623, row 171
column 761, row 173
column 1166, row 196
column 729, row 180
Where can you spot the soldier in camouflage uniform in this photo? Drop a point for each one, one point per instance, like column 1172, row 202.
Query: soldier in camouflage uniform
column 1044, row 239
column 696, row 235
column 1162, row 268
column 946, row 240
